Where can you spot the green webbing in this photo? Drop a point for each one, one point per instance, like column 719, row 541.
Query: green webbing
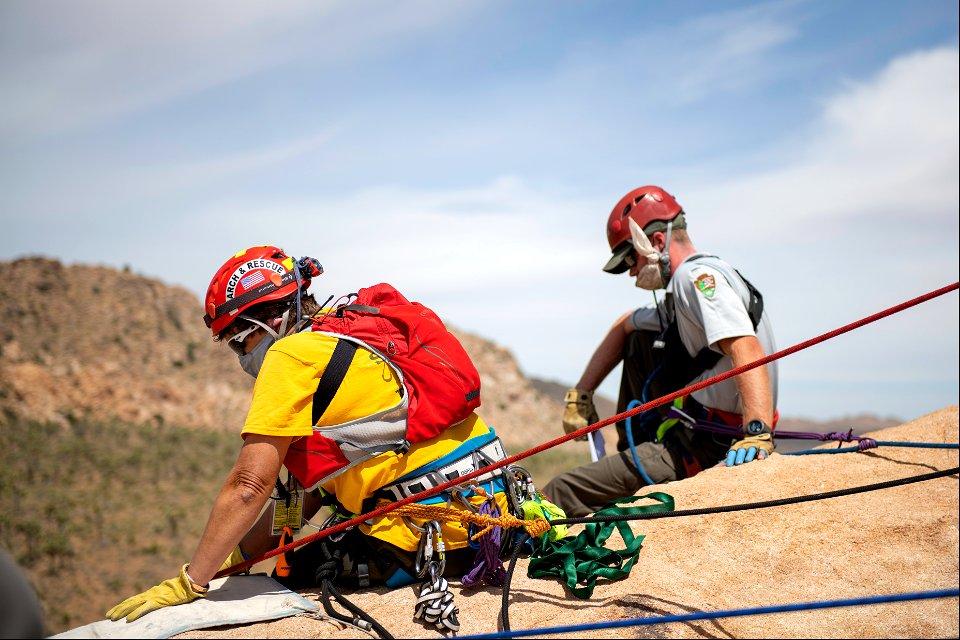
column 583, row 559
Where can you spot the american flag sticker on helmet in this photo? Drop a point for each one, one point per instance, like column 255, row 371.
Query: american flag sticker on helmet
column 252, row 280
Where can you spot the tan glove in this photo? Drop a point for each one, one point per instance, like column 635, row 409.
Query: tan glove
column 579, row 411
column 750, row 448
column 179, row 590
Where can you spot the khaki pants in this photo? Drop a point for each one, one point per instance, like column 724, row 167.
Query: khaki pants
column 581, row 491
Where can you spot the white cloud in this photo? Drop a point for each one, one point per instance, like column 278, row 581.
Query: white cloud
column 862, row 216
column 502, row 236
column 885, row 152
column 88, row 62
column 653, row 70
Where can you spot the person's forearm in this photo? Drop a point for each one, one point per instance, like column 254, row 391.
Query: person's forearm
column 239, row 503
column 233, row 514
column 756, row 397
column 607, row 355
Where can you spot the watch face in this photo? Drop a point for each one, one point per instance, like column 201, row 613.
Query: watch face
column 755, row 427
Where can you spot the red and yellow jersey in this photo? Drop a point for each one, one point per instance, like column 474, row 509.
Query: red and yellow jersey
column 282, row 406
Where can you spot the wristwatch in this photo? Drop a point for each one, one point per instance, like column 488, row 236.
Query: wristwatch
column 756, row 427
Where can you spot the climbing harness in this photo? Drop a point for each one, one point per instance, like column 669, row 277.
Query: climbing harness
column 420, row 481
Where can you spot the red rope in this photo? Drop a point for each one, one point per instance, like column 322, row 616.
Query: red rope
column 593, row 427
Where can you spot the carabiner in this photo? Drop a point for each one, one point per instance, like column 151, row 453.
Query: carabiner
column 424, row 553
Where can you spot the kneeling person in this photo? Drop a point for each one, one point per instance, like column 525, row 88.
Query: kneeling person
column 351, row 425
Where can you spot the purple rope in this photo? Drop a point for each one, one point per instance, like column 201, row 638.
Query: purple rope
column 834, row 436
column 487, row 566
column 707, row 425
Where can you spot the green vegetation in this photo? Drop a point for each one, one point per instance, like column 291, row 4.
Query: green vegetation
column 94, row 513
column 97, row 512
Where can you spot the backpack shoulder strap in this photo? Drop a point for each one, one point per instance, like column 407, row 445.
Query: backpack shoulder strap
column 755, row 306
column 754, row 301
column 332, row 377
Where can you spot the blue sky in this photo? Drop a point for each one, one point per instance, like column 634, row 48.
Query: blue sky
column 470, row 152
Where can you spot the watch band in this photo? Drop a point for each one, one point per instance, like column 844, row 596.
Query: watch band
column 756, row 428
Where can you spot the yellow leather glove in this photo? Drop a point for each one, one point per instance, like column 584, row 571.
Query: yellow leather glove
column 579, row 411
column 179, row 590
column 750, row 448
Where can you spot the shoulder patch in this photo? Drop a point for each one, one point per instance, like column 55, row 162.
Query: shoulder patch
column 706, row 284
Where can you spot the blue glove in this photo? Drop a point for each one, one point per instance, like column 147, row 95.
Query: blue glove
column 749, row 449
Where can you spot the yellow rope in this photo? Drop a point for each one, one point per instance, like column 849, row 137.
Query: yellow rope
column 535, row 528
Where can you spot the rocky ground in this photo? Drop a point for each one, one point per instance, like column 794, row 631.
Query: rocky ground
column 892, row 541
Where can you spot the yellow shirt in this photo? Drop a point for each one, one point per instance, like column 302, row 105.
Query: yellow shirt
column 282, row 405
column 282, row 402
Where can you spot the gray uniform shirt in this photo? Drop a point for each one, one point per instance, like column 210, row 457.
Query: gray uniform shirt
column 710, row 303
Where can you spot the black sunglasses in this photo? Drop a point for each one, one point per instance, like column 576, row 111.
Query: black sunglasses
column 236, row 341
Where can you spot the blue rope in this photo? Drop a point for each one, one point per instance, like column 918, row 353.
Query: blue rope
column 633, row 448
column 710, row 615
column 917, row 445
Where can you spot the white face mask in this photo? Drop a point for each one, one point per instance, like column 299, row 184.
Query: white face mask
column 253, row 361
column 654, row 270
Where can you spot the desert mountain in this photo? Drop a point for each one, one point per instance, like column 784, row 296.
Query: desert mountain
column 90, row 342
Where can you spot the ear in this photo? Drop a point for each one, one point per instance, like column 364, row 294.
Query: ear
column 659, row 240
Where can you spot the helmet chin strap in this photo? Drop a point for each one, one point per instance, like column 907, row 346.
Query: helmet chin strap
column 296, row 274
column 665, row 256
column 276, row 333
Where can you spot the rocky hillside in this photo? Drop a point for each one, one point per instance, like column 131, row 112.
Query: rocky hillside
column 96, row 343
column 87, row 342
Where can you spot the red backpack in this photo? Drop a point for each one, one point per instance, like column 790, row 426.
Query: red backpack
column 441, row 386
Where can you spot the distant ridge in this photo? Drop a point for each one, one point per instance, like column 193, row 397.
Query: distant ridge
column 100, row 343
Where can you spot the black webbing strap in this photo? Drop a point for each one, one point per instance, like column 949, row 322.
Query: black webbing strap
column 332, row 377
column 364, row 308
column 707, row 358
column 755, row 307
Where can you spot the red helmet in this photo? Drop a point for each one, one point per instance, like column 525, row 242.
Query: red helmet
column 254, row 276
column 644, row 205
